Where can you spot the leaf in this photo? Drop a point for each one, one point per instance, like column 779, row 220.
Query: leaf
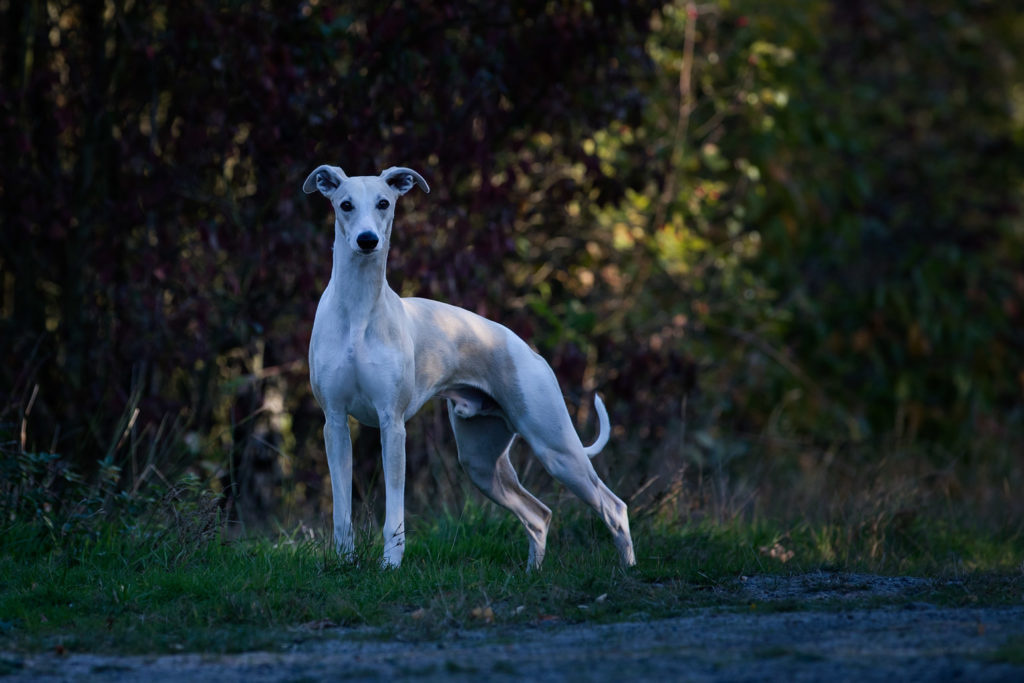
column 318, row 624
column 484, row 614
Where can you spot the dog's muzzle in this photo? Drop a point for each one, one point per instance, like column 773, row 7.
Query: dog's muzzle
column 367, row 241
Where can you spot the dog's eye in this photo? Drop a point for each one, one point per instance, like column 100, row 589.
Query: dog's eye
column 347, row 205
column 383, row 204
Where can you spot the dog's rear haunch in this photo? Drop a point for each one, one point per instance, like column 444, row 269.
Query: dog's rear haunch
column 379, row 357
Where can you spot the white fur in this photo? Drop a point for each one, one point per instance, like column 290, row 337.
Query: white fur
column 379, row 358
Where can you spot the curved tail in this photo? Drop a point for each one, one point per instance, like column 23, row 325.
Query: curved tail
column 605, row 429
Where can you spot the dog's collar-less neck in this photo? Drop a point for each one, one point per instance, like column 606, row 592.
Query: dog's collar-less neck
column 360, row 279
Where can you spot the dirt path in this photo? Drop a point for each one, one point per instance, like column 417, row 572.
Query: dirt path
column 915, row 641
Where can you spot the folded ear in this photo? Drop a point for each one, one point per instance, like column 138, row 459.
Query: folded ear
column 327, row 179
column 402, row 179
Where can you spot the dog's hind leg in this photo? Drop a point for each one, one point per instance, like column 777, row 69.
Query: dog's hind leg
column 572, row 467
column 550, row 433
column 483, row 443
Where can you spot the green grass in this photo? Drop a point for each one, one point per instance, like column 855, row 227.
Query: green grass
column 118, row 588
column 1010, row 652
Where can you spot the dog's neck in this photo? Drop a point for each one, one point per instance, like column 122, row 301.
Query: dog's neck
column 359, row 280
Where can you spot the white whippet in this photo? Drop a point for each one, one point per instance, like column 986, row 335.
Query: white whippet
column 379, row 358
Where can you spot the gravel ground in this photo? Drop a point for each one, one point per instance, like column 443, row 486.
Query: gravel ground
column 914, row 641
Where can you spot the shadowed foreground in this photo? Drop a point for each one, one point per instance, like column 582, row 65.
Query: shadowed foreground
column 903, row 640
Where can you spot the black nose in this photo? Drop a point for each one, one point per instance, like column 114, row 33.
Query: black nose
column 367, row 241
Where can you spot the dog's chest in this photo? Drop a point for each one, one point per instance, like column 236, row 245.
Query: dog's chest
column 352, row 372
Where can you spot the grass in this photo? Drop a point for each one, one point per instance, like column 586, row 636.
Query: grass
column 1010, row 652
column 146, row 566
column 128, row 589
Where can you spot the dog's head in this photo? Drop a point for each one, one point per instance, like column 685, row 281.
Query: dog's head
column 364, row 206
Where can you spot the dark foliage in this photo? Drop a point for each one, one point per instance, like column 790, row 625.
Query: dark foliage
column 823, row 240
column 156, row 239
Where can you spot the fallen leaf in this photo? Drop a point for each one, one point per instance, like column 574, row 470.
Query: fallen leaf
column 418, row 613
column 318, row 625
column 778, row 552
column 484, row 614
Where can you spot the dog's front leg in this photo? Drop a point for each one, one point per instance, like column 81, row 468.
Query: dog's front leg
column 392, row 432
column 339, row 462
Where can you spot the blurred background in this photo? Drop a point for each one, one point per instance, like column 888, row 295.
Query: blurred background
column 783, row 240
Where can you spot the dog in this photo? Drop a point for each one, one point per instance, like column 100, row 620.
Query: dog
column 379, row 358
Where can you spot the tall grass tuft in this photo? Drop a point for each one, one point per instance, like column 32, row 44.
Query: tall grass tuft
column 132, row 557
column 48, row 507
